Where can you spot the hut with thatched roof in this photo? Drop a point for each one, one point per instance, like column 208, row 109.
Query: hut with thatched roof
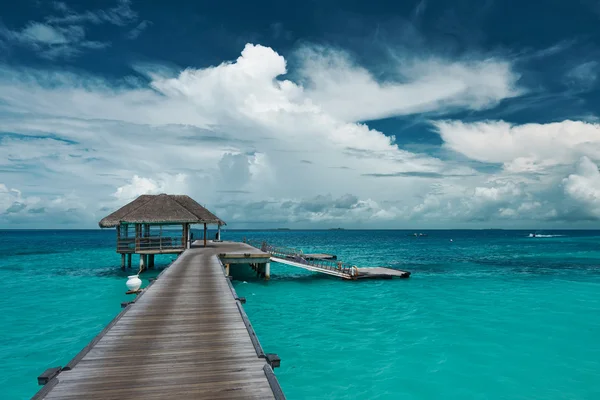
column 157, row 224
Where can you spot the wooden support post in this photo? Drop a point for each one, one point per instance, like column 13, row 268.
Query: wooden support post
column 123, row 261
column 188, row 237
column 142, row 262
column 268, row 271
column 219, row 233
column 118, row 237
column 138, row 235
column 227, row 269
column 129, row 260
column 204, row 235
column 150, row 261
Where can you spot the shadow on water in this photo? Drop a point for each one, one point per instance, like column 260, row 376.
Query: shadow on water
column 248, row 275
column 32, row 252
column 12, row 267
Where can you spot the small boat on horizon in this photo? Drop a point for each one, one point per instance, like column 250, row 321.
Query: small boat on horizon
column 539, row 235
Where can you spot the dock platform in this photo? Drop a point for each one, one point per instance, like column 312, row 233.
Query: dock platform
column 185, row 336
column 326, row 263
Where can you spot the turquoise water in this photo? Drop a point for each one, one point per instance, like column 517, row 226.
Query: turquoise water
column 490, row 314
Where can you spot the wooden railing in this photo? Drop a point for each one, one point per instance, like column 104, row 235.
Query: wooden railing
column 296, row 255
column 152, row 243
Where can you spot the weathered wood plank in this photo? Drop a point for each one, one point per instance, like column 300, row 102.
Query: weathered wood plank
column 185, row 336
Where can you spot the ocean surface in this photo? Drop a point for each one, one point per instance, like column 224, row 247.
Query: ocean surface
column 486, row 314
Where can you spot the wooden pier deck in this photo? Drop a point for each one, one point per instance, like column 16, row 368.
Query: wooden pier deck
column 326, row 264
column 185, row 336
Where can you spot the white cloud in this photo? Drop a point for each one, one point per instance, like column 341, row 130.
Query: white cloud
column 165, row 183
column 52, row 41
column 584, row 187
column 351, row 93
column 523, row 148
column 121, row 14
column 42, row 33
column 531, row 184
column 321, row 210
column 255, row 146
column 21, row 211
column 64, row 35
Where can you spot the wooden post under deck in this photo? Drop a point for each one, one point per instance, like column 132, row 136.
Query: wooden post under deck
column 188, row 237
column 204, row 235
column 123, row 261
column 129, row 260
column 150, row 261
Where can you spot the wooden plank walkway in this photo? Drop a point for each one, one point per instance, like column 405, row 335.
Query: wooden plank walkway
column 186, row 336
column 326, row 264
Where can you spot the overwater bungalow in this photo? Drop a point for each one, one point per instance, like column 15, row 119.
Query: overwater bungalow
column 157, row 224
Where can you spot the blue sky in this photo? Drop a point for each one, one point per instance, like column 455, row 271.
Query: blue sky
column 314, row 114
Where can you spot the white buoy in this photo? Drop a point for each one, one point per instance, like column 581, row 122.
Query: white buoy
column 133, row 283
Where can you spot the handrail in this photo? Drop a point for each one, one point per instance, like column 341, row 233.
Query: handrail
column 150, row 243
column 298, row 256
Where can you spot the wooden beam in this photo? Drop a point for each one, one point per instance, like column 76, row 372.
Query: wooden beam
column 48, row 375
column 204, row 235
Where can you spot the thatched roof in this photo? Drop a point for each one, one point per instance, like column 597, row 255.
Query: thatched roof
column 161, row 209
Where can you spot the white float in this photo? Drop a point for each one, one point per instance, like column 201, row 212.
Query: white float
column 133, row 282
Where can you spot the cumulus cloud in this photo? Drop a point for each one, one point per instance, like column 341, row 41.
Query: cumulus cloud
column 320, row 210
column 165, row 183
column 584, row 187
column 254, row 145
column 25, row 211
column 535, row 181
column 523, row 148
column 351, row 93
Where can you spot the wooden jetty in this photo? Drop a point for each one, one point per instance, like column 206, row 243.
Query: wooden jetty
column 327, row 264
column 185, row 336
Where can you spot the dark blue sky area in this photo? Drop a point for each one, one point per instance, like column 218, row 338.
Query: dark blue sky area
column 201, row 33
